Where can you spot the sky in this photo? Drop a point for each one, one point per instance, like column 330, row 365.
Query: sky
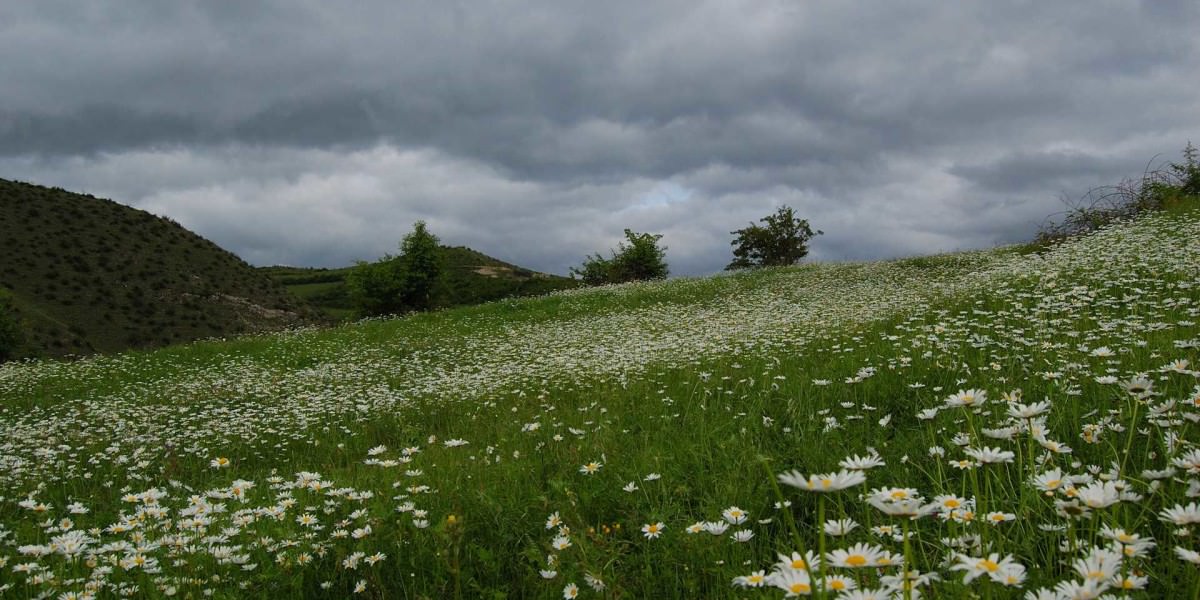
column 314, row 133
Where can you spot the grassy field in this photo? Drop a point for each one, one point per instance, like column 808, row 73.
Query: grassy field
column 988, row 424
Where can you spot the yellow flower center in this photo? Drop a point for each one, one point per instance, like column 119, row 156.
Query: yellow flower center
column 825, row 483
column 952, row 503
column 1096, row 575
column 899, row 494
column 856, row 560
column 799, row 564
column 800, row 588
column 1053, row 484
column 988, row 565
column 837, row 584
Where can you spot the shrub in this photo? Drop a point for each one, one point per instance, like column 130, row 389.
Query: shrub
column 641, row 260
column 396, row 284
column 782, row 242
column 1157, row 189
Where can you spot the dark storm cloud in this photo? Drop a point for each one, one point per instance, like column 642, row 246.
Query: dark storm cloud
column 538, row 132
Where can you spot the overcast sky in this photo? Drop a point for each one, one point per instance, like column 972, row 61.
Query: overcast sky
column 314, row 133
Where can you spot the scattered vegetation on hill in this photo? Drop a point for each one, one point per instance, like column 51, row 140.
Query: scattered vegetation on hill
column 90, row 275
column 641, row 260
column 1158, row 188
column 470, row 277
column 399, row 284
column 12, row 336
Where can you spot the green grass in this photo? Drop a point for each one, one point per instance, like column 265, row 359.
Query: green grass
column 717, row 385
column 90, row 275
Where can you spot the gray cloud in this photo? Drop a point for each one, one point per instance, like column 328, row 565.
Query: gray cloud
column 312, row 133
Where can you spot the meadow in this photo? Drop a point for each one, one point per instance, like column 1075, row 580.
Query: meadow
column 996, row 424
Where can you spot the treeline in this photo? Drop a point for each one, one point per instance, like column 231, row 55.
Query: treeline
column 415, row 279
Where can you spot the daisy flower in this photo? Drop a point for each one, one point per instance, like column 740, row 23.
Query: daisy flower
column 219, row 462
column 996, row 518
column 755, row 579
column 570, row 591
column 839, row 527
column 716, row 527
column 839, row 583
column 590, row 468
column 793, row 582
column 742, row 536
column 989, row 565
column 653, row 530
column 861, row 463
column 967, row 398
column 987, row 455
column 1181, row 515
column 828, row 482
column 734, row 515
column 795, row 561
column 855, row 557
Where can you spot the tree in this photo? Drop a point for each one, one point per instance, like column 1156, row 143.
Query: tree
column 395, row 284
column 11, row 337
column 641, row 260
column 782, row 242
column 421, row 258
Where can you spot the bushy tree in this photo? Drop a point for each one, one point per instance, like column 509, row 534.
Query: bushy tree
column 421, row 261
column 640, row 260
column 401, row 283
column 782, row 241
column 11, row 336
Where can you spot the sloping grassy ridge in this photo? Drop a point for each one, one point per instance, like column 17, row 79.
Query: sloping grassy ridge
column 90, row 275
column 1036, row 413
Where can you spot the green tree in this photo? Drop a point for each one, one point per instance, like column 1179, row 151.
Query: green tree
column 11, row 336
column 782, row 241
column 396, row 284
column 640, row 260
column 421, row 258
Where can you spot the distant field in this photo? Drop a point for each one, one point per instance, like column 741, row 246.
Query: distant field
column 982, row 424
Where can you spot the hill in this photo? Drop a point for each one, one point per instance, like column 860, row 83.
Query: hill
column 471, row 278
column 91, row 275
column 982, row 424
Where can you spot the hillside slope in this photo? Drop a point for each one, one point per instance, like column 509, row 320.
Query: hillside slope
column 472, row 277
column 90, row 275
column 983, row 424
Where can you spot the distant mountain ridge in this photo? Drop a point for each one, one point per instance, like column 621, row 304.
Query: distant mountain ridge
column 91, row 275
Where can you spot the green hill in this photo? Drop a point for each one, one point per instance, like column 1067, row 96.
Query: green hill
column 471, row 278
column 90, row 275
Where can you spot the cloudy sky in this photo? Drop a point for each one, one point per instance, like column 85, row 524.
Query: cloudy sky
column 314, row 133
